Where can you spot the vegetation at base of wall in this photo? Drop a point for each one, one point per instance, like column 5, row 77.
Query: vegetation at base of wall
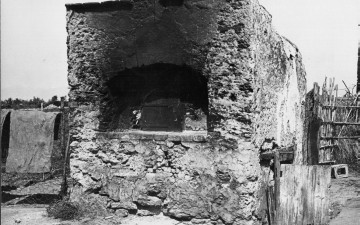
column 64, row 210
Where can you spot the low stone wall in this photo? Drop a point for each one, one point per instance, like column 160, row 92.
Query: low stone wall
column 255, row 82
column 185, row 177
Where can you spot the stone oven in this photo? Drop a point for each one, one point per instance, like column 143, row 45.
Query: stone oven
column 175, row 99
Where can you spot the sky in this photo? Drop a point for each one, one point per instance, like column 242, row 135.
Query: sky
column 33, row 42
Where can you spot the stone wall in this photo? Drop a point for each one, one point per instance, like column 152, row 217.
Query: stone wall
column 256, row 87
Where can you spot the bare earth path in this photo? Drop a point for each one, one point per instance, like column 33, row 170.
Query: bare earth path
column 36, row 215
column 28, row 215
column 345, row 193
column 349, row 215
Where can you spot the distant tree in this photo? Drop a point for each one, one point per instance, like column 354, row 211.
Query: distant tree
column 54, row 98
column 10, row 102
column 35, row 102
column 17, row 104
column 53, row 101
column 21, row 104
column 7, row 103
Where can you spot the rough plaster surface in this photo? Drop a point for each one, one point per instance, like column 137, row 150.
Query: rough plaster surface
column 256, row 85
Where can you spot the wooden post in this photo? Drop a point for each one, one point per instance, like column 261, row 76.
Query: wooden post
column 63, row 138
column 64, row 182
column 64, row 148
column 277, row 173
column 312, row 126
column 304, row 195
column 335, row 114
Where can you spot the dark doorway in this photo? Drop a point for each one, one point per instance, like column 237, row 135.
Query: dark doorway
column 57, row 127
column 5, row 138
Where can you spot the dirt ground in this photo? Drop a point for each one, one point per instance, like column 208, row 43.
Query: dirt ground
column 350, row 214
column 344, row 195
column 22, row 214
column 345, row 199
column 36, row 215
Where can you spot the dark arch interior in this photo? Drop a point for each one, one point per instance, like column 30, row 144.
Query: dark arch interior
column 57, row 127
column 5, row 138
column 156, row 97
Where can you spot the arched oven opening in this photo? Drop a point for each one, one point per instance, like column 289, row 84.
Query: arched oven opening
column 158, row 97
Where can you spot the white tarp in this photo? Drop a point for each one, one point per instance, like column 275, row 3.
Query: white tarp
column 31, row 141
